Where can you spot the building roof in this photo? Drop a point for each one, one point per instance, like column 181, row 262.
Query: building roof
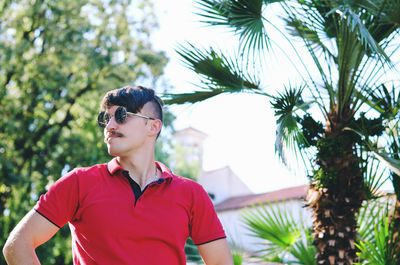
column 238, row 202
column 191, row 131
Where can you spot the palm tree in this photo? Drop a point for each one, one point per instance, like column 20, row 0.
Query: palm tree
column 387, row 103
column 351, row 43
column 288, row 241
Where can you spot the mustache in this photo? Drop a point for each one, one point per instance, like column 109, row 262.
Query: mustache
column 115, row 133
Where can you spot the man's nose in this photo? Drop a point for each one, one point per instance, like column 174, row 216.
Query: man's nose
column 111, row 124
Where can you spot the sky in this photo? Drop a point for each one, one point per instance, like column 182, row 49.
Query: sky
column 240, row 127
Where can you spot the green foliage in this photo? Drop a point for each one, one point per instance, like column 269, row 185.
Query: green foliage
column 385, row 101
column 287, row 240
column 378, row 244
column 244, row 16
column 374, row 177
column 325, row 177
column 237, row 251
column 237, row 257
column 219, row 74
column 191, row 252
column 330, row 147
column 288, row 134
column 186, row 162
column 57, row 59
column 366, row 127
column 312, row 130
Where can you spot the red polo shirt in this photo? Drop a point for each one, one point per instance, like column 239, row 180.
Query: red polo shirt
column 112, row 223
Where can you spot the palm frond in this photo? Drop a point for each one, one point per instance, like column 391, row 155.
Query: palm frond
column 273, row 224
column 218, row 74
column 304, row 251
column 385, row 101
column 354, row 22
column 381, row 247
column 216, row 70
column 287, row 239
column 288, row 134
column 386, row 158
column 244, row 16
column 368, row 215
column 300, row 28
column 385, row 18
column 374, row 178
column 392, row 163
column 192, row 97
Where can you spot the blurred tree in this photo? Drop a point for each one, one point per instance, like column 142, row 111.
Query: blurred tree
column 192, row 253
column 57, row 59
column 186, row 161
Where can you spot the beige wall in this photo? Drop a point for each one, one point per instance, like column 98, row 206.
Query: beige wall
column 223, row 183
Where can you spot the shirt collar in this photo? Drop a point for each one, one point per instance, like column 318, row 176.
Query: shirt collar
column 113, row 167
column 165, row 171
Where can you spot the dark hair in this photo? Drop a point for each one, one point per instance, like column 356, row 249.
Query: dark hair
column 133, row 99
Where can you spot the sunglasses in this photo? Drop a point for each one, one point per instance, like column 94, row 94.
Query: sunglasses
column 120, row 116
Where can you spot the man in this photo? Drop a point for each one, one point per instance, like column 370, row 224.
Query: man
column 131, row 210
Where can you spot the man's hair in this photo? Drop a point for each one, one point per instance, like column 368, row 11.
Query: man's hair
column 133, row 99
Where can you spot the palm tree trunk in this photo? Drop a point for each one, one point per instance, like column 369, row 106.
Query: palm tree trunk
column 335, row 196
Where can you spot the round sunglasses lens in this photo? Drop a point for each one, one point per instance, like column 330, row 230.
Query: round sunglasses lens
column 120, row 115
column 100, row 119
column 106, row 118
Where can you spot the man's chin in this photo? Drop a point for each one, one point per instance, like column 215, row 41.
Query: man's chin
column 112, row 151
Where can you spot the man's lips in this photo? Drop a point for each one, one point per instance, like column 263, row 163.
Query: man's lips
column 113, row 135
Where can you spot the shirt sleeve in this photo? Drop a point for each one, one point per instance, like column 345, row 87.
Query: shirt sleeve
column 205, row 225
column 60, row 202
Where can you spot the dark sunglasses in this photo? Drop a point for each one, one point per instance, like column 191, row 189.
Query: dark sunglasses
column 120, row 116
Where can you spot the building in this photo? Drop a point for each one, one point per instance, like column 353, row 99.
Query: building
column 231, row 196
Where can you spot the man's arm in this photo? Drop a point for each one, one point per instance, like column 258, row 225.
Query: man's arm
column 32, row 231
column 216, row 252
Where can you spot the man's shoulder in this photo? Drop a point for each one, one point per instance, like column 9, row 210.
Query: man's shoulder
column 179, row 181
column 187, row 183
column 183, row 180
column 93, row 170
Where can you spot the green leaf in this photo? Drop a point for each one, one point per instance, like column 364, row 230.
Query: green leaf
column 273, row 224
column 288, row 134
column 288, row 240
column 392, row 163
column 244, row 16
column 386, row 158
column 355, row 23
column 380, row 246
column 217, row 73
column 374, row 177
column 193, row 97
column 385, row 101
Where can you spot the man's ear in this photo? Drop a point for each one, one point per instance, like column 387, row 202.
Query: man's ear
column 155, row 127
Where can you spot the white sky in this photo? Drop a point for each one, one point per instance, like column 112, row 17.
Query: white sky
column 240, row 127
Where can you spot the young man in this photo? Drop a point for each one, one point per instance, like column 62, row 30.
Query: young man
column 131, row 210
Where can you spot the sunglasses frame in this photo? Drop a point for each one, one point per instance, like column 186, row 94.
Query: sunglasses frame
column 119, row 115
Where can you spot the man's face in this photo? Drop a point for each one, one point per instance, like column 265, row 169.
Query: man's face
column 127, row 138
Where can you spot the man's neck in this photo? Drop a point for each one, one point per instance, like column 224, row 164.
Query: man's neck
column 141, row 168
